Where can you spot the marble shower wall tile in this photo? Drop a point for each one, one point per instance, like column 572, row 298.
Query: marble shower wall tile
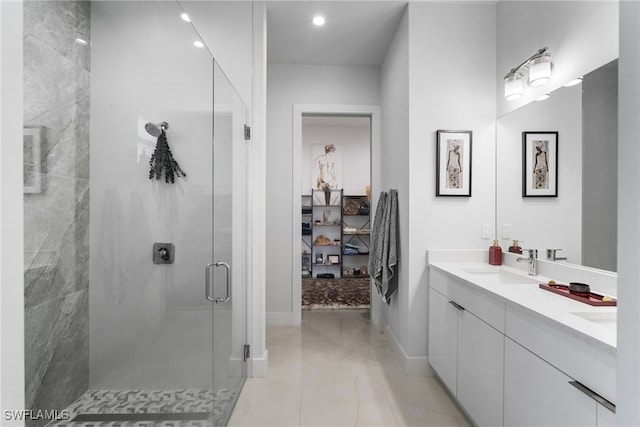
column 56, row 240
column 57, row 350
column 56, row 94
column 57, row 24
column 56, row 230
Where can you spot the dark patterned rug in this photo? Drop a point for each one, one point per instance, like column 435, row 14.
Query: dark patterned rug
column 335, row 293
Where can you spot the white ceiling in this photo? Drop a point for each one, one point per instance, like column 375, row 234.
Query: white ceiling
column 355, row 33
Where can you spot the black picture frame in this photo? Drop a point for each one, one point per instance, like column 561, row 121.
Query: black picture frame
column 540, row 163
column 454, row 163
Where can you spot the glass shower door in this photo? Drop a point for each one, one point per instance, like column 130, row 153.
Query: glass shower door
column 159, row 349
column 226, row 281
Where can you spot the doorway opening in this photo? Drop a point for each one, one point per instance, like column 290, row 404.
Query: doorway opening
column 336, row 170
column 372, row 112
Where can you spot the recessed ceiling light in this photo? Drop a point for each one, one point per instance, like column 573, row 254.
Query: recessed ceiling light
column 318, row 20
column 198, row 44
column 185, row 17
column 574, row 82
column 543, row 97
column 81, row 42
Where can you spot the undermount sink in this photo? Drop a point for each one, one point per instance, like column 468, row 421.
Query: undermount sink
column 501, row 276
column 608, row 319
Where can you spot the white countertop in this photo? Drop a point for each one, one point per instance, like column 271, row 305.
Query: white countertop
column 555, row 310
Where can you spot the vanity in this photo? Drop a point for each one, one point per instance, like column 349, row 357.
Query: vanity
column 514, row 354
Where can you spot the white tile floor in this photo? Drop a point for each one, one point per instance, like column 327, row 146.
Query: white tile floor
column 339, row 370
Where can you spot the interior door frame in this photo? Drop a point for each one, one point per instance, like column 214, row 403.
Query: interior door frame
column 299, row 110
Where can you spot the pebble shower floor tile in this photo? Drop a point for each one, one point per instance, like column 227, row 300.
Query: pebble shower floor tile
column 117, row 402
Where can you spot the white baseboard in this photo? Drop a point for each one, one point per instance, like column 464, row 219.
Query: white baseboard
column 259, row 366
column 414, row 366
column 282, row 318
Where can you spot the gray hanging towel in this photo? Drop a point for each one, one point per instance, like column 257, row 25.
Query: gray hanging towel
column 383, row 258
column 389, row 277
column 377, row 236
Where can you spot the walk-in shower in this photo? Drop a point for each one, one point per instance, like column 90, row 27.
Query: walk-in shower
column 110, row 335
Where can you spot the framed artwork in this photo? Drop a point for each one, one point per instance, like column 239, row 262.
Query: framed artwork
column 539, row 164
column 326, row 166
column 453, row 163
column 333, row 259
column 319, row 259
column 32, row 158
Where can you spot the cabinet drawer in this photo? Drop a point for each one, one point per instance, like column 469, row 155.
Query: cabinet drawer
column 443, row 339
column 580, row 360
column 537, row 394
column 480, row 304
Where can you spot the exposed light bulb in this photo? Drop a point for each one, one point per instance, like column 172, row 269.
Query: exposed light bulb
column 318, row 20
column 185, row 17
column 81, row 42
column 198, row 44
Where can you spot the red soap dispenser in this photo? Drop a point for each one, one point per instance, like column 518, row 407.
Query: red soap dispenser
column 516, row 249
column 495, row 254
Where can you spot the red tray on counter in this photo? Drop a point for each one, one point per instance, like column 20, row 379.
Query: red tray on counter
column 591, row 298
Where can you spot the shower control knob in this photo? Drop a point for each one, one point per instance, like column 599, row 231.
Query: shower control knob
column 164, row 253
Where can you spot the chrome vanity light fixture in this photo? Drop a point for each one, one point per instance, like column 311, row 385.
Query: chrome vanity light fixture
column 538, row 67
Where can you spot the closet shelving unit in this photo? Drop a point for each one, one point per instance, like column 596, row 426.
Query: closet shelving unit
column 326, row 254
column 307, row 231
column 356, row 231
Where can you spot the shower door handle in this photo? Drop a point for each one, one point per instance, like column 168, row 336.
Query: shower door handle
column 207, row 282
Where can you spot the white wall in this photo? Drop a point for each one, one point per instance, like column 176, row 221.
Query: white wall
column 534, row 221
column 11, row 211
column 421, row 94
column 445, row 95
column 287, row 85
column 352, row 136
column 393, row 173
column 256, row 232
column 580, row 35
column 628, row 378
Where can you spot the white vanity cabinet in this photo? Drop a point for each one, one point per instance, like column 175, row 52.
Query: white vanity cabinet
column 465, row 351
column 538, row 394
column 509, row 365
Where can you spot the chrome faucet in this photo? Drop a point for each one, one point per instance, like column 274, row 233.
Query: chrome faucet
column 532, row 259
column 552, row 255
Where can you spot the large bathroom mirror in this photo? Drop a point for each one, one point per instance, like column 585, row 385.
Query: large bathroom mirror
column 581, row 220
